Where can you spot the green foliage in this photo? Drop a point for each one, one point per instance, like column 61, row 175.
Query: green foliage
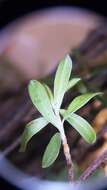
column 31, row 129
column 83, row 127
column 49, row 93
column 72, row 83
column 79, row 102
column 49, row 105
column 61, row 81
column 52, row 151
column 41, row 101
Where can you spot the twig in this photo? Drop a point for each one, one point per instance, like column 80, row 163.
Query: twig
column 94, row 37
column 93, row 166
column 12, row 146
column 11, row 126
column 16, row 143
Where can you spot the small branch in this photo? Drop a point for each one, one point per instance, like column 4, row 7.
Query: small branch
column 69, row 162
column 12, row 124
column 93, row 166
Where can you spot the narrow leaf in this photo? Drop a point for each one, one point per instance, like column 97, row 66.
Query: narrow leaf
column 82, row 88
column 61, row 80
column 52, row 151
column 41, row 100
column 49, row 92
column 80, row 101
column 83, row 127
column 72, row 83
column 63, row 112
column 31, row 129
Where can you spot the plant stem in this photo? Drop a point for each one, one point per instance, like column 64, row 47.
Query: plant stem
column 69, row 162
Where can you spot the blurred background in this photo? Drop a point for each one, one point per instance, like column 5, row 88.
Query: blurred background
column 34, row 36
column 10, row 10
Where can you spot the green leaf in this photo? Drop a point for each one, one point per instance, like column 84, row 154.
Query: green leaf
column 83, row 127
column 63, row 112
column 82, row 88
column 31, row 129
column 52, row 151
column 61, row 81
column 49, row 92
column 41, row 100
column 80, row 101
column 72, row 83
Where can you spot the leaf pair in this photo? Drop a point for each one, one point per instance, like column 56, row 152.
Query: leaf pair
column 53, row 147
column 62, row 83
column 80, row 124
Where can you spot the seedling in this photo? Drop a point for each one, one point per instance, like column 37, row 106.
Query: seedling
column 49, row 105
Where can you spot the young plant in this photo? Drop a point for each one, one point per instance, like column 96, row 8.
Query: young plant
column 49, row 105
